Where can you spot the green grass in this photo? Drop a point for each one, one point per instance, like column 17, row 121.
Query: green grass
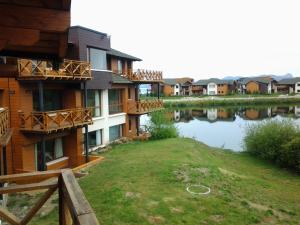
column 145, row 183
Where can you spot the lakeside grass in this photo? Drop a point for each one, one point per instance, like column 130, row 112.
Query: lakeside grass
column 232, row 102
column 145, row 183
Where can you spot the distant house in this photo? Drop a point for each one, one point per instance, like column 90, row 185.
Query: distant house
column 213, row 86
column 259, row 85
column 288, row 86
column 175, row 87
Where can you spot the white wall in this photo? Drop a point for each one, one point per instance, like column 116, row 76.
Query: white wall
column 106, row 120
column 212, row 89
column 177, row 90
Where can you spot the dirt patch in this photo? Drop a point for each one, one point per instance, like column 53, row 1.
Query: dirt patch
column 152, row 204
column 132, row 195
column 216, row 218
column 230, row 173
column 176, row 209
column 182, row 176
column 156, row 219
column 204, row 171
column 169, row 199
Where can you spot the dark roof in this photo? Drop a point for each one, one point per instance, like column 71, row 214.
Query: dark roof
column 213, row 80
column 289, row 81
column 117, row 53
column 88, row 29
column 170, row 81
column 117, row 79
column 255, row 79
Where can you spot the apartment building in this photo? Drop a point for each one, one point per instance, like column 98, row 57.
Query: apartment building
column 213, row 86
column 259, row 85
column 113, row 94
column 288, row 86
column 175, row 87
column 41, row 89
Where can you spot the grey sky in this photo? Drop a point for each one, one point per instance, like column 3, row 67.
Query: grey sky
column 200, row 38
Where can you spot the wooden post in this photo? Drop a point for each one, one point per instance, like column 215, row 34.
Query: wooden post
column 41, row 109
column 158, row 90
column 86, row 128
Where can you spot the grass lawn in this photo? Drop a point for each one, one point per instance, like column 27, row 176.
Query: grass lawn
column 145, row 183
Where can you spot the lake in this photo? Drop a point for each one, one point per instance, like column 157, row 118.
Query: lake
column 224, row 127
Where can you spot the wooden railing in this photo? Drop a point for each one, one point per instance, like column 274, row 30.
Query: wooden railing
column 40, row 69
column 143, row 75
column 4, row 121
column 145, row 106
column 73, row 206
column 52, row 121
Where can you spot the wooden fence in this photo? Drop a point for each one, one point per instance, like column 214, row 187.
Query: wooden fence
column 52, row 121
column 145, row 106
column 73, row 206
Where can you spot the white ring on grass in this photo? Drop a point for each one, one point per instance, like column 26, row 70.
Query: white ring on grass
column 198, row 193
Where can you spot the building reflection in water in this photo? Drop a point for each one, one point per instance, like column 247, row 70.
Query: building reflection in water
column 229, row 114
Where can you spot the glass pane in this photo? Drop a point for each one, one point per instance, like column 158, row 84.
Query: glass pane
column 115, row 101
column 94, row 100
column 92, row 139
column 52, row 100
column 114, row 132
column 97, row 59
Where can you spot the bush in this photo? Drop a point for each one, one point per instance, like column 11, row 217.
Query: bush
column 275, row 141
column 161, row 126
column 291, row 153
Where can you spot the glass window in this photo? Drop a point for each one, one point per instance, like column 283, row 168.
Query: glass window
column 211, row 86
column 94, row 101
column 95, row 138
column 115, row 132
column 120, row 65
column 97, row 58
column 115, row 101
column 130, row 124
column 52, row 100
column 53, row 150
column 129, row 92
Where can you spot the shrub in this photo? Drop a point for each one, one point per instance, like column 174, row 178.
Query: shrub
column 161, row 126
column 291, row 153
column 275, row 141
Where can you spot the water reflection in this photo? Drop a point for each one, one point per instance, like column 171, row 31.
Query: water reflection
column 225, row 127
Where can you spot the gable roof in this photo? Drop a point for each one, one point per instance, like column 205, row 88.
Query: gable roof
column 289, row 81
column 213, row 80
column 117, row 53
column 170, row 81
column 256, row 79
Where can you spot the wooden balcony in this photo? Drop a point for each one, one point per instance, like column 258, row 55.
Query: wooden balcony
column 5, row 131
column 53, row 121
column 73, row 206
column 144, row 106
column 42, row 70
column 142, row 76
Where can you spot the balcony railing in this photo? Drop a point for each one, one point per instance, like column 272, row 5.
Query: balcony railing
column 4, row 121
column 53, row 121
column 145, row 106
column 40, row 69
column 73, row 206
column 143, row 76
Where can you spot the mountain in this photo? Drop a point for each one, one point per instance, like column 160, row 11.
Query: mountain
column 276, row 77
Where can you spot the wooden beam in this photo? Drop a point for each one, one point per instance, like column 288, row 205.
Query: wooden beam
column 26, row 187
column 18, row 36
column 30, row 177
column 9, row 217
column 63, row 45
column 34, row 18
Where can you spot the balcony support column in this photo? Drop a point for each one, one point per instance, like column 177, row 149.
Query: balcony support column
column 86, row 127
column 138, row 126
column 4, row 161
column 158, row 91
column 42, row 109
column 137, row 88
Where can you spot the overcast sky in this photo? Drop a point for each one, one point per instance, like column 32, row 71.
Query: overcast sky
column 200, row 38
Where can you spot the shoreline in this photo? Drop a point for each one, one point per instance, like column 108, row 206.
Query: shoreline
column 228, row 101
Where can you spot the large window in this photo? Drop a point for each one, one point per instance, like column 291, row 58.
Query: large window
column 115, row 132
column 95, row 138
column 53, row 150
column 94, row 101
column 52, row 100
column 211, row 86
column 115, row 101
column 97, row 58
column 120, row 67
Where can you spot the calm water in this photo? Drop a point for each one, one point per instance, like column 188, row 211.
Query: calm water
column 225, row 127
